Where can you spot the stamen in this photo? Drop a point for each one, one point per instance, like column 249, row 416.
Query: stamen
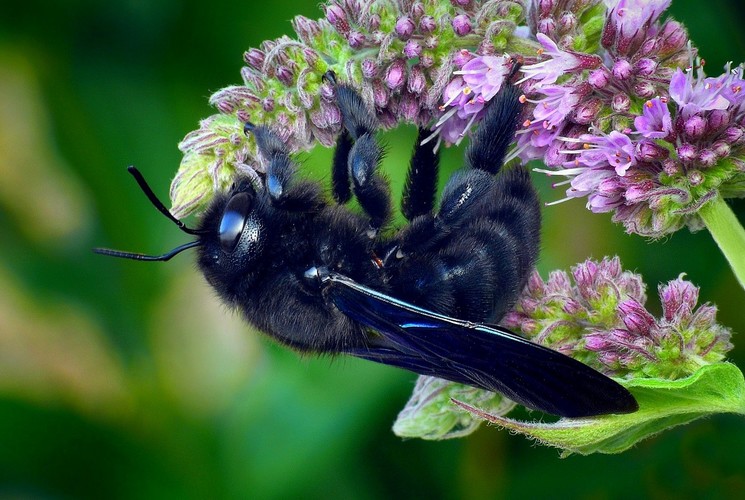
column 552, row 203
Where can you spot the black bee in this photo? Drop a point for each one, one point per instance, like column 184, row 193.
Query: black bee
column 321, row 278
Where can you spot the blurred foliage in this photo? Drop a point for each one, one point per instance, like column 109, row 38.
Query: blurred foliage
column 122, row 379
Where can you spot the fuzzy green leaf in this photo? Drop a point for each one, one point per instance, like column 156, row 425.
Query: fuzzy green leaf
column 717, row 388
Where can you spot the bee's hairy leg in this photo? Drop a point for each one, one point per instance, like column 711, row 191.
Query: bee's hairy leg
column 284, row 190
column 421, row 180
column 363, row 157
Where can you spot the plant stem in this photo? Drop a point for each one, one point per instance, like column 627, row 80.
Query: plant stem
column 728, row 233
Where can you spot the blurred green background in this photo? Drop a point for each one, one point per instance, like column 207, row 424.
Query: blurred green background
column 121, row 379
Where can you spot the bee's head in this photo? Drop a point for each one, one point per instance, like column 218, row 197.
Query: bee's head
column 231, row 236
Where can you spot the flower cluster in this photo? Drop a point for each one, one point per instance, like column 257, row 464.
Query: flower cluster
column 601, row 320
column 619, row 109
column 400, row 55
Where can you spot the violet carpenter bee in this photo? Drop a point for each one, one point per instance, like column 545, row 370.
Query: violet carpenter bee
column 427, row 297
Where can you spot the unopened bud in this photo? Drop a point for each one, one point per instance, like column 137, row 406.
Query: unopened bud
column 369, row 68
column 622, row 69
column 427, row 24
column 461, row 25
column 412, row 49
column 644, row 89
column 396, row 74
column 621, row 103
column 405, row 27
column 687, row 152
column 599, row 78
column 707, row 157
column 695, row 126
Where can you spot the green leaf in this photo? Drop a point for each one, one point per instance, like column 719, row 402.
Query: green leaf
column 717, row 388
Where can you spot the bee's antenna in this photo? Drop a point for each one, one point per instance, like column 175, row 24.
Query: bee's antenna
column 158, row 204
column 140, row 256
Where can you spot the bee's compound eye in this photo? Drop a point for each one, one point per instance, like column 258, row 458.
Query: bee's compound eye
column 233, row 220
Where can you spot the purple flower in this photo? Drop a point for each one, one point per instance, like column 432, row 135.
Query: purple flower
column 560, row 62
column 557, row 103
column 485, row 75
column 655, row 121
column 695, row 96
column 473, row 86
column 615, row 150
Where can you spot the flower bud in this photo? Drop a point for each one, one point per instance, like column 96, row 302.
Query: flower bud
column 718, row 118
column 695, row 126
column 599, row 78
column 547, row 26
column 650, row 151
column 412, row 49
column 405, row 27
column 676, row 295
column 558, row 283
column 460, row 3
column 417, row 80
column 721, row 149
column 639, row 191
column 356, row 39
column 381, row 94
column 545, row 7
column 597, row 342
column 707, row 157
column 331, row 114
column 622, row 69
column 417, row 10
column 609, row 359
column 306, row 29
column 567, row 23
column 327, row 91
column 586, row 111
column 704, row 318
column 427, row 24
column 733, row 134
column 635, row 317
column 461, row 25
column 649, row 47
column 373, row 23
column 225, row 107
column 644, row 89
column 395, row 75
column 254, row 58
column 369, row 68
column 267, row 104
column 670, row 167
column 285, row 75
column 408, row 108
column 534, row 286
column 621, row 103
column 311, row 57
column 645, row 67
column 687, row 152
column 334, row 13
column 673, row 38
column 252, row 80
column 695, row 177
column 571, row 307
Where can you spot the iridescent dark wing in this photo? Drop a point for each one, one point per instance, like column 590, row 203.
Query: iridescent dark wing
column 485, row 356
